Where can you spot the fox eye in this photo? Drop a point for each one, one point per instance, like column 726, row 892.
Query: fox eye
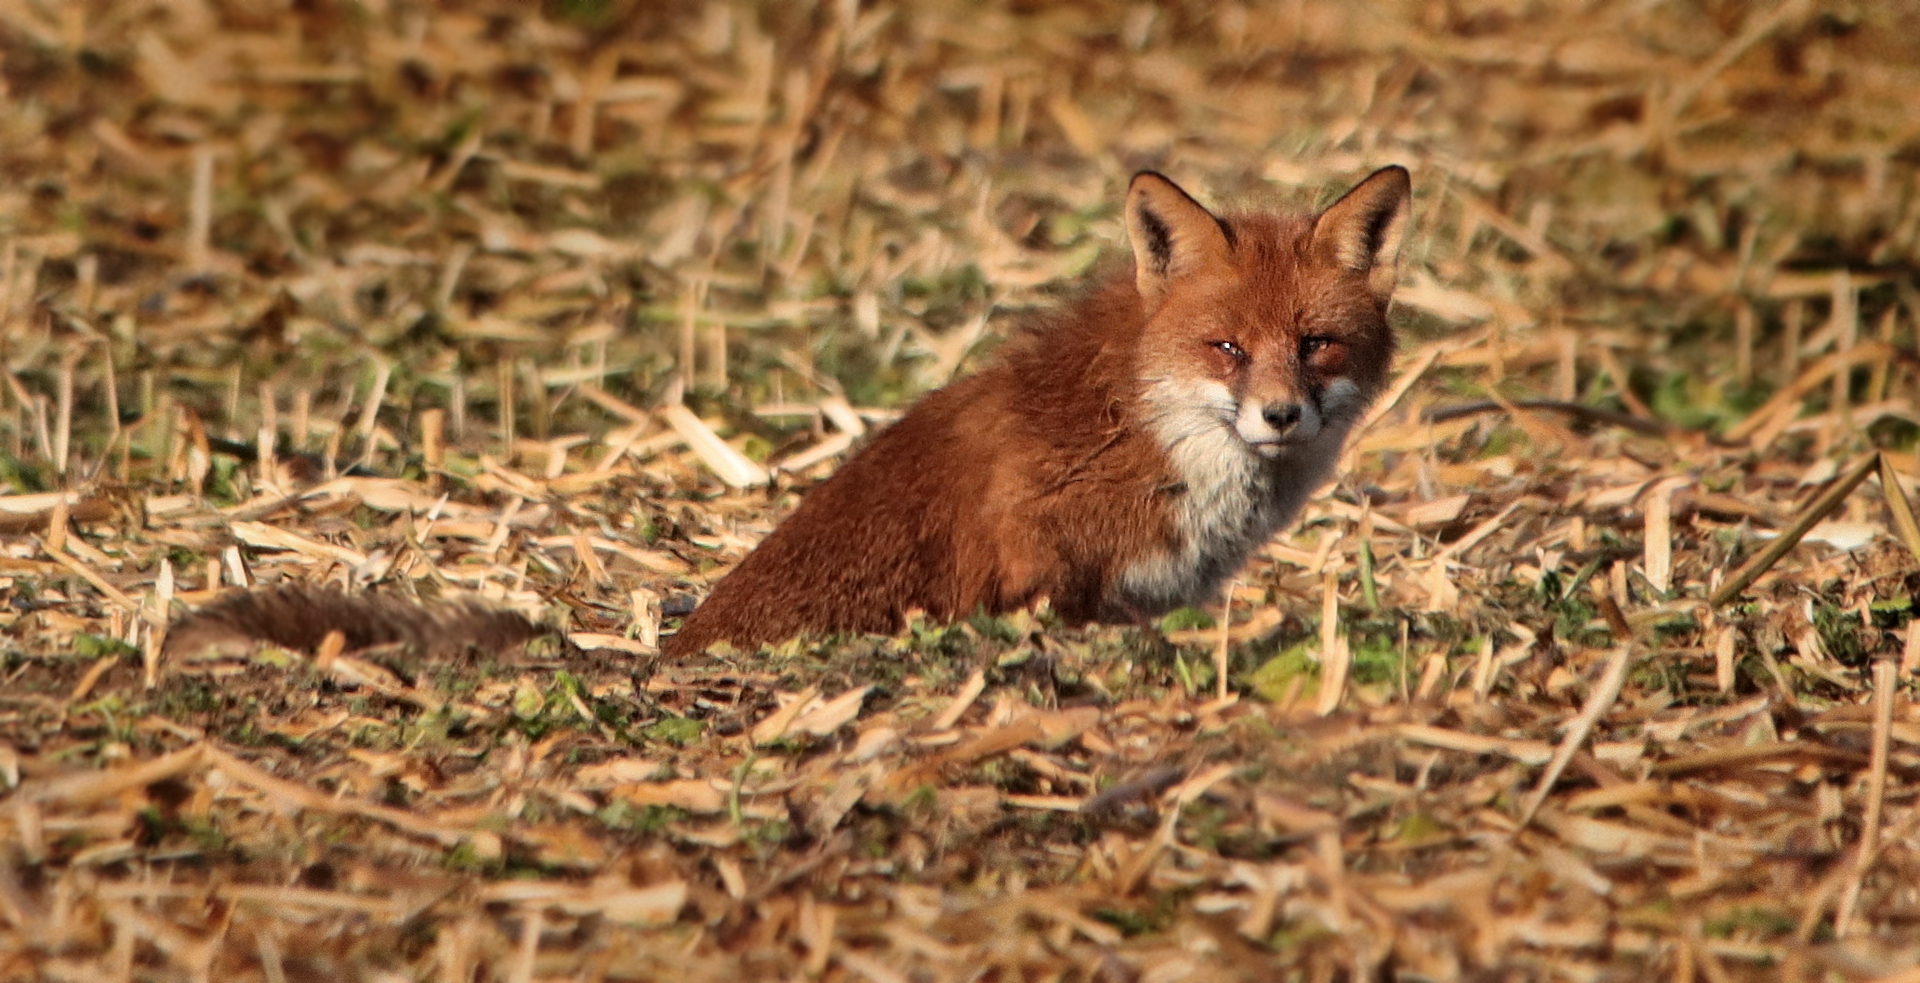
column 1232, row 350
column 1312, row 345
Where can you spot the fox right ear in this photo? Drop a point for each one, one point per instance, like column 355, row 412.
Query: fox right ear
column 1172, row 235
column 1362, row 231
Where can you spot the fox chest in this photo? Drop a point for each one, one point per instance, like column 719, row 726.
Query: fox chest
column 1227, row 504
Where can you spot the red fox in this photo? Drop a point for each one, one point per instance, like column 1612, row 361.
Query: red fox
column 1120, row 457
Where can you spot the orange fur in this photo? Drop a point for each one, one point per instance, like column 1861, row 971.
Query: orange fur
column 1121, row 456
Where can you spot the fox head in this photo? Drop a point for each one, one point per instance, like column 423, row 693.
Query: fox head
column 1271, row 329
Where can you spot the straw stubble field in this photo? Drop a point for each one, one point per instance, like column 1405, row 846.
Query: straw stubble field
column 1594, row 664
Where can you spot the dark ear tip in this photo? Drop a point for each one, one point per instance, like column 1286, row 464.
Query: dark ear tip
column 1394, row 173
column 1140, row 177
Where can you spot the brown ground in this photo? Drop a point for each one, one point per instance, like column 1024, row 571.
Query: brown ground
column 456, row 260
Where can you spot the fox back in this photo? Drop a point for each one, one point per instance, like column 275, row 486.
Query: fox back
column 1122, row 456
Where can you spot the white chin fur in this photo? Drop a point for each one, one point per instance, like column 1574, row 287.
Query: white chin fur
column 1233, row 499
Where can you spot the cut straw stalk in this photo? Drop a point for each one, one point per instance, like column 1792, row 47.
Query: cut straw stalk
column 370, row 414
column 63, row 411
column 200, row 210
column 731, row 465
column 1793, row 316
column 1335, row 655
column 1773, row 415
column 1220, row 651
column 1903, row 520
column 1743, row 343
column 1750, row 571
column 1605, row 692
column 1659, row 534
column 99, row 583
column 1885, row 685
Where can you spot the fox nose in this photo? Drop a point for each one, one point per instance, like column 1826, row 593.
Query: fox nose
column 1281, row 416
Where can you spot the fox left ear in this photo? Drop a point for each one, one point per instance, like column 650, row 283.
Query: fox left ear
column 1362, row 231
column 1172, row 236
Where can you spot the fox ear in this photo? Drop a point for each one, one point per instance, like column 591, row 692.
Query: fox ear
column 1362, row 231
column 1172, row 235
